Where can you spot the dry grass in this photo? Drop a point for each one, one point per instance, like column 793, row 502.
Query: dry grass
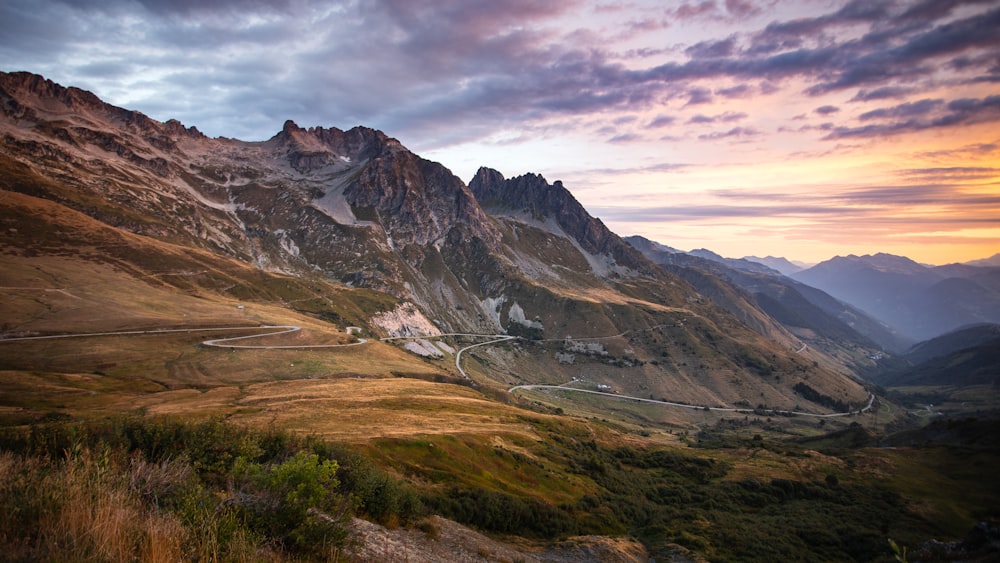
column 361, row 409
column 85, row 510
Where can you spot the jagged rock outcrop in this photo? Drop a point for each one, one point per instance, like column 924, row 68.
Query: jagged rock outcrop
column 531, row 197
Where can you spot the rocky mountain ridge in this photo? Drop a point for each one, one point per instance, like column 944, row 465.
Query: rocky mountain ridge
column 518, row 256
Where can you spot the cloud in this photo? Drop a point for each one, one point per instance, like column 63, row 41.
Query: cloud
column 690, row 11
column 973, row 151
column 873, row 63
column 863, row 208
column 827, row 110
column 953, row 173
column 727, row 117
column 910, row 109
column 661, row 121
column 697, row 96
column 734, row 133
column 923, row 115
column 457, row 72
column 742, row 8
column 885, row 92
column 626, row 138
column 712, row 49
column 741, row 91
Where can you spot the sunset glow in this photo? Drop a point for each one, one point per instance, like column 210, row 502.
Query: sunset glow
column 799, row 129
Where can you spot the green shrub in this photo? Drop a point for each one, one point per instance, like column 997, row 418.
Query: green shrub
column 295, row 501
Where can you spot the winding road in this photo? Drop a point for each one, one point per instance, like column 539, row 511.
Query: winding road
column 274, row 330
column 215, row 342
column 871, row 400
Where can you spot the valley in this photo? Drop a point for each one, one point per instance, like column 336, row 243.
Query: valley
column 484, row 363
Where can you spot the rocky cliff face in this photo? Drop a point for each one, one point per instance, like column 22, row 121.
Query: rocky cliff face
column 531, row 197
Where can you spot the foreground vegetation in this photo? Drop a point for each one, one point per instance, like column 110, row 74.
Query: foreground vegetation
column 164, row 490
column 156, row 489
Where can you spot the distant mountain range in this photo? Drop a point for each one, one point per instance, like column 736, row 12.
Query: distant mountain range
column 917, row 301
column 815, row 317
column 782, row 265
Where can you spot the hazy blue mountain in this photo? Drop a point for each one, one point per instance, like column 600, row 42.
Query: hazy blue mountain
column 737, row 263
column 952, row 342
column 817, row 319
column 918, row 301
column 782, row 265
column 992, row 261
column 969, row 356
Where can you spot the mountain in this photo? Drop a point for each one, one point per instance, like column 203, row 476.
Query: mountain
column 737, row 263
column 782, row 265
column 970, row 356
column 952, row 342
column 919, row 302
column 992, row 261
column 847, row 337
column 354, row 211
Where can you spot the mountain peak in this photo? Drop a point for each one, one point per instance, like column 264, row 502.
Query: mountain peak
column 883, row 262
column 531, row 197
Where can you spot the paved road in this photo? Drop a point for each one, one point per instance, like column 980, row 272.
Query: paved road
column 134, row 333
column 222, row 342
column 216, row 342
column 458, row 355
column 871, row 400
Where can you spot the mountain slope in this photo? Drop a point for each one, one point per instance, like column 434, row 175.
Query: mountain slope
column 918, row 301
column 356, row 209
column 826, row 325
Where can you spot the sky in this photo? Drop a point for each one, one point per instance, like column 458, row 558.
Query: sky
column 803, row 129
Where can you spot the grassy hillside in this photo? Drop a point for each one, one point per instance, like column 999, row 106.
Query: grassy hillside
column 155, row 447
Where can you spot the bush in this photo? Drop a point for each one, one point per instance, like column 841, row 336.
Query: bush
column 295, row 501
